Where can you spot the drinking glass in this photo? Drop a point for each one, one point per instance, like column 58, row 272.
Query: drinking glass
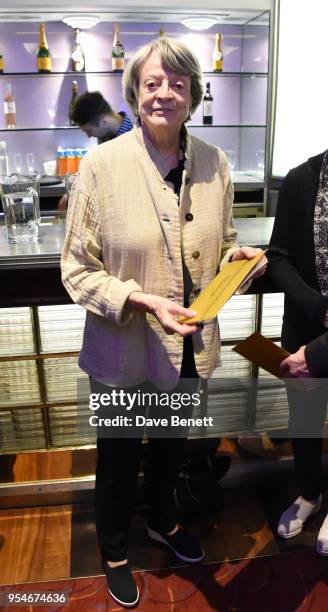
column 260, row 157
column 3, row 158
column 18, row 162
column 20, row 201
column 30, row 162
column 231, row 156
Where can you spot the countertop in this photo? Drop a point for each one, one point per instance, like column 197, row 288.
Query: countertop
column 242, row 181
column 47, row 251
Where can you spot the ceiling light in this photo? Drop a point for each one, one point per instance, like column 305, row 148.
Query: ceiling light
column 199, row 23
column 81, row 21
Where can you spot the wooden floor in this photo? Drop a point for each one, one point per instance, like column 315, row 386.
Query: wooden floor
column 53, row 543
column 43, row 544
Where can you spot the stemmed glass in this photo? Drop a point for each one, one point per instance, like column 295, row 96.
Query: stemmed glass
column 51, row 107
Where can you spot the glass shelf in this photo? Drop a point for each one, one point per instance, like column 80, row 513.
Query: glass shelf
column 70, row 127
column 224, row 126
column 117, row 74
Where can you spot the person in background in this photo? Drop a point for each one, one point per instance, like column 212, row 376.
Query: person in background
column 149, row 225
column 298, row 266
column 96, row 118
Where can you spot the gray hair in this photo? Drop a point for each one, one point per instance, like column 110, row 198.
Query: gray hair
column 176, row 57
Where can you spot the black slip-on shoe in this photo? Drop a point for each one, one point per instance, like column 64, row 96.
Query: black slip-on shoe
column 121, row 585
column 184, row 545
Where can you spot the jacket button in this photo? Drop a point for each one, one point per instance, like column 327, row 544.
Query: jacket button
column 187, row 181
column 189, row 217
column 196, row 254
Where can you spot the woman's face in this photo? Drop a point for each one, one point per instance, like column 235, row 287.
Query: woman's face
column 164, row 96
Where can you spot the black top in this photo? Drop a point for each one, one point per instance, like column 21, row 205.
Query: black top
column 175, row 177
column 292, row 257
column 188, row 368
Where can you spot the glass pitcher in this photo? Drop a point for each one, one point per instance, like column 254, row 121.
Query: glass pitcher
column 21, row 207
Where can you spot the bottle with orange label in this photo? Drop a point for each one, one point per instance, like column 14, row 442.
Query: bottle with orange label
column 117, row 51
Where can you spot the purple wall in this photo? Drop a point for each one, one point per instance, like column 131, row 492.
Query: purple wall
column 43, row 100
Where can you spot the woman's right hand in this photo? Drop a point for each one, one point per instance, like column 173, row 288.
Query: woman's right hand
column 166, row 312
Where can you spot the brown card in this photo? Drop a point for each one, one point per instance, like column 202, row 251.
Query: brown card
column 263, row 352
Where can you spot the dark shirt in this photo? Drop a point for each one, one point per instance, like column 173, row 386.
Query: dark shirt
column 175, row 177
column 188, row 368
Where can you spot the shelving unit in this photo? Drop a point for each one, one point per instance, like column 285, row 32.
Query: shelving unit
column 240, row 92
column 119, row 74
column 71, row 127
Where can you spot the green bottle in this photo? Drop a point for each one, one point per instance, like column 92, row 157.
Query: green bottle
column 44, row 57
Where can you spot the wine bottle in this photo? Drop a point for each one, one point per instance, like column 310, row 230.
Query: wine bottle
column 72, row 102
column 117, row 51
column 217, row 55
column 1, row 64
column 44, row 58
column 9, row 107
column 78, row 59
column 208, row 106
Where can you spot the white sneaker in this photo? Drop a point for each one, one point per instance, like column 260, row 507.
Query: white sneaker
column 292, row 520
column 322, row 541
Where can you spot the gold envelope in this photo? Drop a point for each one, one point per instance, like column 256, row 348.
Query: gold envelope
column 221, row 288
column 263, row 352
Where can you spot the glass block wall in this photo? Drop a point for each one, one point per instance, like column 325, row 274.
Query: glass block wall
column 38, row 374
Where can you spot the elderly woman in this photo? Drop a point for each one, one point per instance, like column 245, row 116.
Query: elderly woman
column 149, row 224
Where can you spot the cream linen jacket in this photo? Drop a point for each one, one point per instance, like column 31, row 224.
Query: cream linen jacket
column 126, row 232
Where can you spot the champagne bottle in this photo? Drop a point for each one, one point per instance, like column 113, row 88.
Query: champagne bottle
column 117, row 52
column 1, row 64
column 217, row 55
column 9, row 107
column 208, row 106
column 44, row 58
column 72, row 102
column 78, row 59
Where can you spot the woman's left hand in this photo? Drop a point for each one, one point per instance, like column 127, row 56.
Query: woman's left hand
column 247, row 252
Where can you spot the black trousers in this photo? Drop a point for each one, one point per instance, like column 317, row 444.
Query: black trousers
column 307, row 414
column 117, row 472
